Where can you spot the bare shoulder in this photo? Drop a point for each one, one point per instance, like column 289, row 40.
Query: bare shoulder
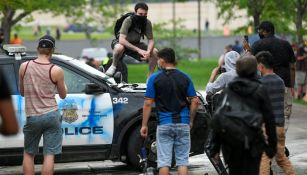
column 23, row 66
column 57, row 73
column 57, row 70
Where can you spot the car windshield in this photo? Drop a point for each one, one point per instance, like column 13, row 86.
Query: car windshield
column 87, row 68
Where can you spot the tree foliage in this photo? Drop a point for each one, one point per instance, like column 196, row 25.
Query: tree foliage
column 14, row 11
column 166, row 39
column 294, row 11
column 228, row 9
column 285, row 14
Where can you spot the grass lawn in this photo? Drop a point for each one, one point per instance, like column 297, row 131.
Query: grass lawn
column 199, row 70
column 300, row 102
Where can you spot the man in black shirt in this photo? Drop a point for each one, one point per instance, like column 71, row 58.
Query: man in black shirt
column 284, row 59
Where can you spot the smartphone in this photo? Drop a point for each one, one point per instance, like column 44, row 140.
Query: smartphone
column 246, row 38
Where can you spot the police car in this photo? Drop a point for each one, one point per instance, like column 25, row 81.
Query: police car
column 101, row 118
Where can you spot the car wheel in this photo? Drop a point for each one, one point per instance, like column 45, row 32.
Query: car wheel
column 136, row 142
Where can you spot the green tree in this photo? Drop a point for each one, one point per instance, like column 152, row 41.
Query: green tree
column 100, row 14
column 282, row 13
column 295, row 11
column 228, row 9
column 164, row 37
column 15, row 10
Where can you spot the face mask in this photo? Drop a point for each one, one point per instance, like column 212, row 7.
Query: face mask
column 141, row 20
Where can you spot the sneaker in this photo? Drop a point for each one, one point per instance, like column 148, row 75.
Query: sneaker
column 111, row 71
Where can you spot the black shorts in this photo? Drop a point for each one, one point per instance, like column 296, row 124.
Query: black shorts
column 129, row 52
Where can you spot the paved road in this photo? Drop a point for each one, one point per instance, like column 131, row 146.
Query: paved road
column 296, row 142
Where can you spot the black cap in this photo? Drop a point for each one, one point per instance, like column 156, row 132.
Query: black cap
column 267, row 26
column 46, row 41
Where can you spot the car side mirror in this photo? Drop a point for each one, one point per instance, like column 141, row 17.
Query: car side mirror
column 94, row 89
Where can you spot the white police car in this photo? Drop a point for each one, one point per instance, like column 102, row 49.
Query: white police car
column 101, row 119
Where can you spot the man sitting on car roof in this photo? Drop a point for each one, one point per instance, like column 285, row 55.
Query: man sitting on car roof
column 132, row 30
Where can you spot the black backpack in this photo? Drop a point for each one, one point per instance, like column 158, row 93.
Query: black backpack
column 119, row 22
column 237, row 123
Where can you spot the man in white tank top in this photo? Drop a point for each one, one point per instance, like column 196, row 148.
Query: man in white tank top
column 39, row 80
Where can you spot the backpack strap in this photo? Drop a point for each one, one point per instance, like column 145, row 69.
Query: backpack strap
column 119, row 22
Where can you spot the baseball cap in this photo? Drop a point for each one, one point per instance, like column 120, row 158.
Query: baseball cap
column 46, row 41
column 267, row 26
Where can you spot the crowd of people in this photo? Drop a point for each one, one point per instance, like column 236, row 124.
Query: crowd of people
column 275, row 60
column 264, row 74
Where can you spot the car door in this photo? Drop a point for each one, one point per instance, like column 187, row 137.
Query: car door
column 87, row 119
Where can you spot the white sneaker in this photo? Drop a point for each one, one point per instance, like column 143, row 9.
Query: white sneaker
column 111, row 71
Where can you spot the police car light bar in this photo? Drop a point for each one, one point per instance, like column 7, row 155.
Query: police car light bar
column 14, row 48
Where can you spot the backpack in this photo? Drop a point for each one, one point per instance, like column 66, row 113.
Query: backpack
column 236, row 122
column 119, row 22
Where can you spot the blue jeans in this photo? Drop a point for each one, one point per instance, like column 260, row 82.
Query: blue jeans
column 173, row 136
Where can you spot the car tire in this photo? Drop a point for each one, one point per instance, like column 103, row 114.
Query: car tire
column 136, row 142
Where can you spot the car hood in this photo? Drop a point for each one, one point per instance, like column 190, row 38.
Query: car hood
column 135, row 87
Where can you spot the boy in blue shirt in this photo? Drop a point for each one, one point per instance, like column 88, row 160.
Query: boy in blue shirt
column 171, row 90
